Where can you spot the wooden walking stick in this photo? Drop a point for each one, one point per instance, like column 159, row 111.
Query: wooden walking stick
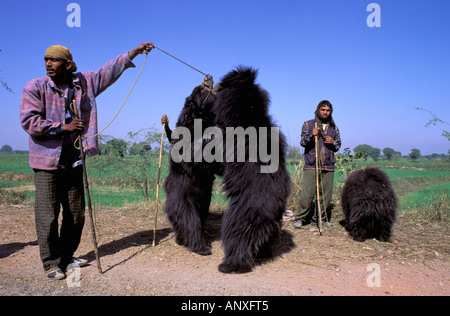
column 317, row 182
column 88, row 196
column 157, row 186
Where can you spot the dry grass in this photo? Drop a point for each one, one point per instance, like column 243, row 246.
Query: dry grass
column 296, row 178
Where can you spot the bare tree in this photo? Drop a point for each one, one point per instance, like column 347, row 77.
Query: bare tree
column 435, row 121
column 5, row 85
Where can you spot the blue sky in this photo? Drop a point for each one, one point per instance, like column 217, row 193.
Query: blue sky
column 305, row 50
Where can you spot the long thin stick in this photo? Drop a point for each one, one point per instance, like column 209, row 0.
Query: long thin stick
column 88, row 197
column 317, row 183
column 180, row 60
column 157, row 186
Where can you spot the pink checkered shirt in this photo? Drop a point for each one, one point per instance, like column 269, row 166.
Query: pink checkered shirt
column 42, row 106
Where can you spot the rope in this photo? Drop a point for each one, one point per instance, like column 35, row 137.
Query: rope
column 128, row 95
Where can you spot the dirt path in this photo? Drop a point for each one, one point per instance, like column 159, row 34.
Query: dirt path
column 415, row 263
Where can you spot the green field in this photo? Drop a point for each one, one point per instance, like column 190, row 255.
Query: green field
column 120, row 183
column 15, row 163
column 427, row 196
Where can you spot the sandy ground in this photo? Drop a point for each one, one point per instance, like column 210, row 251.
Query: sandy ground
column 305, row 263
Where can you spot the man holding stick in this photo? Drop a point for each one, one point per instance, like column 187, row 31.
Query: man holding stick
column 322, row 136
column 48, row 116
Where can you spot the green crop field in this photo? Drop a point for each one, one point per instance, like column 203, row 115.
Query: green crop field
column 16, row 163
column 129, row 180
column 427, row 196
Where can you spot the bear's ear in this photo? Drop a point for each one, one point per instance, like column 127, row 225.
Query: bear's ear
column 246, row 75
column 242, row 76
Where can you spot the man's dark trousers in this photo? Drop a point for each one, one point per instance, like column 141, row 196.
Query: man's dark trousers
column 53, row 189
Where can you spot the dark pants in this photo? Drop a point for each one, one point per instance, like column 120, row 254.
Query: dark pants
column 53, row 189
column 305, row 212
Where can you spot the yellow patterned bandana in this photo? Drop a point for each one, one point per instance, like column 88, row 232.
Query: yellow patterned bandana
column 63, row 53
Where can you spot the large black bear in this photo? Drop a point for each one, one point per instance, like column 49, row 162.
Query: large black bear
column 189, row 184
column 248, row 152
column 369, row 204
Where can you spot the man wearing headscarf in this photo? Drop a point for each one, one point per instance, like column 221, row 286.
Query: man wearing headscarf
column 53, row 111
column 329, row 142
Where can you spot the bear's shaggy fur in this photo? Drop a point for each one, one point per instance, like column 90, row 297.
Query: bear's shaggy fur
column 189, row 185
column 256, row 200
column 369, row 204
